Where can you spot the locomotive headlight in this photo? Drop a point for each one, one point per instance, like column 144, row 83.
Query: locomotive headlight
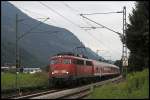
column 67, row 72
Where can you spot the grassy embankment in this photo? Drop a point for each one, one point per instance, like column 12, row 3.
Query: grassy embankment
column 8, row 80
column 136, row 86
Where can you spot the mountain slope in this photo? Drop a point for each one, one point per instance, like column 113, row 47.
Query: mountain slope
column 41, row 45
column 8, row 55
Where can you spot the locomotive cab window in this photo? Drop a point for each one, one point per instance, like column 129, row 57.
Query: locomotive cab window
column 55, row 61
column 89, row 63
column 66, row 61
column 80, row 62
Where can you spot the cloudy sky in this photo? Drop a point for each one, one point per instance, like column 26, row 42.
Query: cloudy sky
column 66, row 14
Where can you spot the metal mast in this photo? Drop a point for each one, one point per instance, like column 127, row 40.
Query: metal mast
column 124, row 58
column 17, row 58
column 124, row 49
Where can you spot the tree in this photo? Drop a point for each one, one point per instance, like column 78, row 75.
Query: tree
column 118, row 63
column 137, row 36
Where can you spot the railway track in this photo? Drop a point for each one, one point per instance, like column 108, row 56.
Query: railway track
column 35, row 94
column 74, row 93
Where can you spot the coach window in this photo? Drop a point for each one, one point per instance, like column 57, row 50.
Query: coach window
column 67, row 61
column 89, row 63
column 80, row 62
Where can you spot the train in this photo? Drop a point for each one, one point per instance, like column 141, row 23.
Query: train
column 74, row 69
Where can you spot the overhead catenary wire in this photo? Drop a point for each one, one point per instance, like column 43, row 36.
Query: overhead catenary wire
column 86, row 23
column 121, row 36
column 28, row 32
column 61, row 14
column 31, row 12
column 69, row 7
column 103, row 13
column 29, row 26
column 46, row 31
column 101, row 43
column 58, row 14
column 83, row 19
column 76, row 11
column 101, row 25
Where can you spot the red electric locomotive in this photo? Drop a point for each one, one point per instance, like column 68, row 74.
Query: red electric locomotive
column 72, row 69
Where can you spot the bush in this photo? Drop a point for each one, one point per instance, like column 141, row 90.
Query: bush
column 135, row 87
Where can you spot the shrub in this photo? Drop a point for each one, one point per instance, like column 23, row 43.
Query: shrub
column 135, row 87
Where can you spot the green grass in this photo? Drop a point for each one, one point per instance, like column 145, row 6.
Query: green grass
column 135, row 87
column 24, row 80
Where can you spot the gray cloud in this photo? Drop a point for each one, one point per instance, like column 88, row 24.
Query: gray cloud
column 105, row 39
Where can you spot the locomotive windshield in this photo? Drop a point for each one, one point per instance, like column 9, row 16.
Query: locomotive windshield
column 55, row 61
column 60, row 61
column 66, row 61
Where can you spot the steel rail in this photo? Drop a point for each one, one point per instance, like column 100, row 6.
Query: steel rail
column 35, row 94
column 72, row 93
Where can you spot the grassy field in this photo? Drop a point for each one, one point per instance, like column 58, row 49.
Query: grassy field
column 135, row 87
column 24, row 80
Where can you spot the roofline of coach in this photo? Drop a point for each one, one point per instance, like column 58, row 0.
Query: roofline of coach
column 75, row 57
column 68, row 56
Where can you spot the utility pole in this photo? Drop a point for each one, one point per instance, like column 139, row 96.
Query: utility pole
column 124, row 58
column 124, row 49
column 17, row 46
column 17, row 59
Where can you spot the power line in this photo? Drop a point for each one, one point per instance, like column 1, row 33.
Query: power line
column 101, row 25
column 58, row 13
column 83, row 19
column 103, row 13
column 92, row 14
column 88, row 24
column 99, row 41
column 76, row 12
column 28, row 32
column 104, row 26
column 31, row 12
column 69, row 7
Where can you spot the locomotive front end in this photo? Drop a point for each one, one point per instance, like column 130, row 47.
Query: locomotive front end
column 61, row 69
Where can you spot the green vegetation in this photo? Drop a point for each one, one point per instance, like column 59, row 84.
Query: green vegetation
column 24, row 80
column 136, row 86
column 137, row 37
